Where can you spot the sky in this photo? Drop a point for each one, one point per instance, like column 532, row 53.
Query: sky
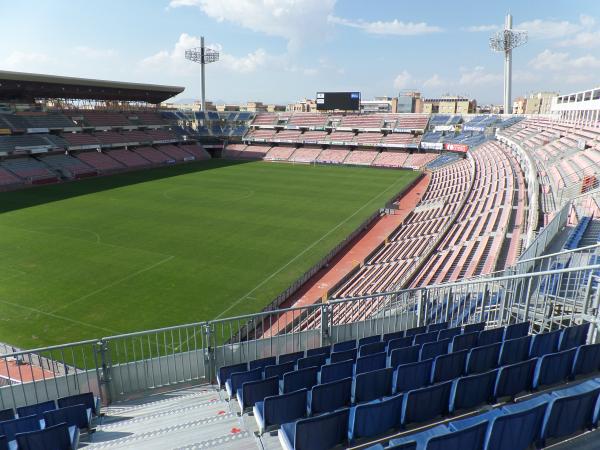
column 279, row 51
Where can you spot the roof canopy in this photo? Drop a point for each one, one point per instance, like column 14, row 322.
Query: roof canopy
column 29, row 86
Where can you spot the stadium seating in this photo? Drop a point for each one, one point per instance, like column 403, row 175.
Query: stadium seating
column 128, row 158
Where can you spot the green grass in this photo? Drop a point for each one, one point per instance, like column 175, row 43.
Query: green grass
column 171, row 245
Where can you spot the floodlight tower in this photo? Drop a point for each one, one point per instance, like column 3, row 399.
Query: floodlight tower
column 202, row 56
column 504, row 41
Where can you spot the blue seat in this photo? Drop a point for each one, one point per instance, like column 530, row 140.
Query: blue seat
column 544, row 343
column 404, row 355
column 368, row 340
column 420, row 438
column 225, row 372
column 515, row 350
column 516, row 330
column 464, row 341
column 343, row 355
column 278, row 409
column 38, row 409
column 393, row 335
column 236, row 380
column 372, row 385
column 553, row 368
column 312, row 361
column 279, row 369
column 416, row 330
column 425, row 337
column 471, row 437
column 262, row 363
column 515, row 378
column 299, row 379
column 433, row 349
column 482, row 359
column 329, row 396
column 402, row 342
column 325, row 350
column 375, row 418
column 574, row 336
column 7, row 414
column 587, row 359
column 412, row 376
column 251, row 392
column 57, row 437
column 437, row 326
column 76, row 415
column 447, row 367
column 343, row 346
column 3, row 443
column 491, row 336
column 449, row 333
column 10, row 428
column 316, row 433
column 371, row 362
column 427, row 403
column 411, row 445
column 336, row 371
column 295, row 356
column 572, row 409
column 369, row 349
column 86, row 398
column 474, row 327
column 473, row 390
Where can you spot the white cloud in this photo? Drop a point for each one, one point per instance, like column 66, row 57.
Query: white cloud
column 94, row 53
column 19, row 60
column 549, row 60
column 394, row 27
column 478, row 76
column 293, row 20
column 435, row 81
column 403, row 80
column 549, row 29
column 174, row 61
column 481, row 28
column 585, row 39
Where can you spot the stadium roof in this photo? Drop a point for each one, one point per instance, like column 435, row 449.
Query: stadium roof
column 29, row 86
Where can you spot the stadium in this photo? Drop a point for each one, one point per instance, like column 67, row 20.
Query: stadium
column 341, row 273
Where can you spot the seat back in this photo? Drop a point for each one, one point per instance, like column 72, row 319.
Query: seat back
column 470, row 437
column 56, row 437
column 371, row 362
column 516, row 330
column 464, row 341
column 372, row 385
column 87, row 399
column 325, row 350
column 10, row 428
column 343, row 356
column 474, row 327
column 517, row 430
column 404, row 355
column 223, row 374
column 322, row 432
column 295, row 356
column 449, row 333
column 375, row 418
column 336, row 371
column 278, row 370
column 587, row 359
column 38, row 409
column 544, row 343
column 3, row 443
column 515, row 378
column 553, row 368
column 433, row 349
column 75, row 415
column 412, row 376
column 515, row 350
column 393, row 335
column 427, row 403
column 574, row 336
column 473, row 390
column 415, row 331
column 491, row 336
column 238, row 378
column 447, row 367
column 401, row 342
column 368, row 340
column 285, row 408
column 373, row 347
column 312, row 361
column 262, row 363
column 423, row 338
column 7, row 414
column 330, row 396
column 300, row 379
column 437, row 326
column 482, row 359
column 343, row 346
column 256, row 391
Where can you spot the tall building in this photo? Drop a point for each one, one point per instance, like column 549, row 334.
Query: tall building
column 379, row 105
column 449, row 105
column 539, row 102
column 409, row 102
column 304, row 105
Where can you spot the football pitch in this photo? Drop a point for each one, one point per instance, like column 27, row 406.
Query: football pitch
column 171, row 245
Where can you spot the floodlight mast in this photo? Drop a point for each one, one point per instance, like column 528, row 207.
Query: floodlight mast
column 202, row 56
column 505, row 41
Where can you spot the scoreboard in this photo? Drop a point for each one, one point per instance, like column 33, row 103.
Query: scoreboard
column 346, row 101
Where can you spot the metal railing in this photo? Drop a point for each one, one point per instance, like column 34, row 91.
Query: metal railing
column 122, row 366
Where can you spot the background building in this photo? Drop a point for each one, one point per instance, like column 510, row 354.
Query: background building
column 539, row 102
column 448, row 105
column 379, row 105
column 582, row 108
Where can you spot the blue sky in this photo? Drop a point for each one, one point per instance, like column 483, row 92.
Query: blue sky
column 283, row 50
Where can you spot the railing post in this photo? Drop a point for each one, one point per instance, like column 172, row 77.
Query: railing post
column 527, row 299
column 209, row 353
column 449, row 304
column 420, row 309
column 326, row 323
column 103, row 370
column 588, row 293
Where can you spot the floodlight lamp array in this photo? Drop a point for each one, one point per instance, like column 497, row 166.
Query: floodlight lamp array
column 195, row 55
column 506, row 40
